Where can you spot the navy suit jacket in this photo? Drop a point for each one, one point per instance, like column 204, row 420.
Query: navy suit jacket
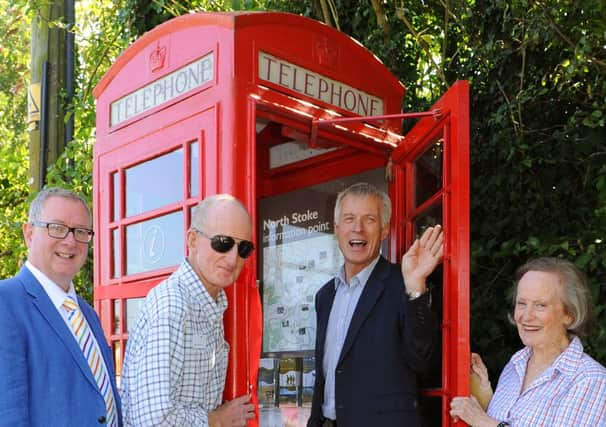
column 390, row 339
column 44, row 378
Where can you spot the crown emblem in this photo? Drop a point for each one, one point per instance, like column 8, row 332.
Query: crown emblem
column 324, row 53
column 157, row 57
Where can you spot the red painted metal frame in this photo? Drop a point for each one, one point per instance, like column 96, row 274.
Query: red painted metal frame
column 453, row 128
column 316, row 123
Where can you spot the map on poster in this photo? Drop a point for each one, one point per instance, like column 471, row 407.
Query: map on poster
column 293, row 273
column 300, row 254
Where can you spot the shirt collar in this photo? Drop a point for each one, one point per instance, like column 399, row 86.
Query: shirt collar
column 360, row 278
column 55, row 292
column 566, row 363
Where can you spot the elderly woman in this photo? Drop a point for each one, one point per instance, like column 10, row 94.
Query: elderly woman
column 551, row 381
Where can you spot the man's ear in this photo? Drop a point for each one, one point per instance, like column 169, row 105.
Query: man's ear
column 28, row 230
column 384, row 232
column 191, row 237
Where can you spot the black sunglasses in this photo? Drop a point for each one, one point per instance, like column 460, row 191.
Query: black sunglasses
column 223, row 244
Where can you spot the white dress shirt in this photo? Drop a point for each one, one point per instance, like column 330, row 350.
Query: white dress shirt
column 343, row 307
column 56, row 293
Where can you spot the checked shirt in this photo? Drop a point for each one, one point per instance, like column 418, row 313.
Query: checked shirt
column 570, row 393
column 176, row 356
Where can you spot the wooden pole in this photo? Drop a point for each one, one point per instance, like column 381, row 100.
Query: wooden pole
column 47, row 47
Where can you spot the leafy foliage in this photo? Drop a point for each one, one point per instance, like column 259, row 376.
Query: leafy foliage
column 142, row 15
column 14, row 29
column 538, row 102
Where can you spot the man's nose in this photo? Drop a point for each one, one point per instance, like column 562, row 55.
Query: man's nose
column 528, row 312
column 232, row 254
column 357, row 224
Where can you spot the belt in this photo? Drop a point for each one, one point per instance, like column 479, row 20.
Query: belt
column 329, row 423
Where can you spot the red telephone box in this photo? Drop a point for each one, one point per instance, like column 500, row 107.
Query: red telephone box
column 273, row 108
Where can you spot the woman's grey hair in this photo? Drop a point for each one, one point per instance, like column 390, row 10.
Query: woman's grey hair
column 364, row 189
column 37, row 206
column 574, row 294
column 200, row 212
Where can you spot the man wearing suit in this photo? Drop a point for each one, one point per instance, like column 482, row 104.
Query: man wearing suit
column 375, row 329
column 46, row 375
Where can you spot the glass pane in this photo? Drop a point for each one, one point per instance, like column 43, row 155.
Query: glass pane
column 117, row 348
column 117, row 317
column 309, row 378
column 116, row 196
column 289, row 382
column 429, row 171
column 155, row 183
column 194, row 170
column 433, row 376
column 429, row 218
column 268, row 383
column 154, row 244
column 116, row 268
column 432, row 379
column 133, row 306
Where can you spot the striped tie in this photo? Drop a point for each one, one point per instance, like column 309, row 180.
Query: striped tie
column 90, row 349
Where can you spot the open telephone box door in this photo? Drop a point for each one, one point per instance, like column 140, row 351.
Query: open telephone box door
column 426, row 174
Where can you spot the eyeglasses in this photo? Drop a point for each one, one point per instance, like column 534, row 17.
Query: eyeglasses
column 223, row 244
column 60, row 231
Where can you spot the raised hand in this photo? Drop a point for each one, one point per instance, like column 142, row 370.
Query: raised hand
column 421, row 259
column 480, row 383
column 478, row 367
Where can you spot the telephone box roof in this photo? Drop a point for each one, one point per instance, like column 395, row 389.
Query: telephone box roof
column 367, row 65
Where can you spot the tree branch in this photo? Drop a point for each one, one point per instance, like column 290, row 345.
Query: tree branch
column 400, row 14
column 329, row 13
column 565, row 38
column 382, row 21
column 511, row 113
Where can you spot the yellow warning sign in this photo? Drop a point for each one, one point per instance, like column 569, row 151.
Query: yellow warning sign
column 33, row 104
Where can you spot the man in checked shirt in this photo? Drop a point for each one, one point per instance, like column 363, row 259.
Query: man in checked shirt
column 176, row 357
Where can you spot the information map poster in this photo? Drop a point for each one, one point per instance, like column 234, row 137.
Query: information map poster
column 300, row 254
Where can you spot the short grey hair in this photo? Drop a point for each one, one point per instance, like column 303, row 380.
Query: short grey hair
column 574, row 294
column 364, row 189
column 200, row 212
column 37, row 206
